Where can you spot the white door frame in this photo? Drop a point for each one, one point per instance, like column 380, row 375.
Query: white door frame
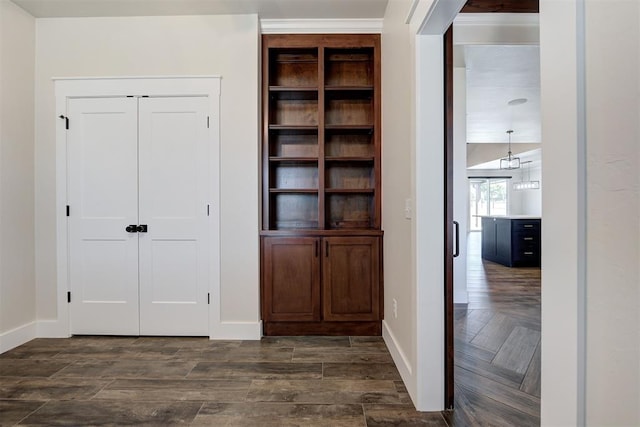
column 429, row 26
column 562, row 57
column 66, row 88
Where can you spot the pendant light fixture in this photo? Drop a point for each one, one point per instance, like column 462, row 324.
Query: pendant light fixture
column 510, row 162
column 528, row 184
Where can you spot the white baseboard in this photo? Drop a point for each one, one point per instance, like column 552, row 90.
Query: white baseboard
column 460, row 297
column 221, row 331
column 57, row 329
column 17, row 336
column 53, row 329
column 237, row 331
column 400, row 359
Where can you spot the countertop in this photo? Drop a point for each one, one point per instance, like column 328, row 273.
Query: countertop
column 512, row 216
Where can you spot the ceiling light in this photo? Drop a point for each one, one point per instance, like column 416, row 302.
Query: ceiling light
column 510, row 162
column 528, row 184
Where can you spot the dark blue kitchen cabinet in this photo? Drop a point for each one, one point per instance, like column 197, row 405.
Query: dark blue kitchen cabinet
column 511, row 241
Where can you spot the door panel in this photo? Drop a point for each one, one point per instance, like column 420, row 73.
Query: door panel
column 173, row 179
column 164, row 276
column 351, row 282
column 291, row 277
column 102, row 172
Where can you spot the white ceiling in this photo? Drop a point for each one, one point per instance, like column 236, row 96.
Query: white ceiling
column 267, row 9
column 495, row 76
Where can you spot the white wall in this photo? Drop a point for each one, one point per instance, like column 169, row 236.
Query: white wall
column 162, row 46
column 590, row 280
column 397, row 185
column 17, row 282
column 613, row 212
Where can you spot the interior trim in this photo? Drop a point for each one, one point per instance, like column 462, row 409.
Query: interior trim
column 412, row 11
column 398, row 356
column 17, row 336
column 500, row 19
column 321, row 26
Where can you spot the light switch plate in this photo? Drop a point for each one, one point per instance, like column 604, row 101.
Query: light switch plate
column 407, row 209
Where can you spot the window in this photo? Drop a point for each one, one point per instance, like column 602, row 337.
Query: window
column 487, row 196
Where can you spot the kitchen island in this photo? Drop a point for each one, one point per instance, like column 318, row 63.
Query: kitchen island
column 512, row 240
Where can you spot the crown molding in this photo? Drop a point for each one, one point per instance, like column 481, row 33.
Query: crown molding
column 501, row 19
column 321, row 26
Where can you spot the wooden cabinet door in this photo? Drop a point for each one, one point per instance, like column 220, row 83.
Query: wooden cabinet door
column 291, row 279
column 351, row 278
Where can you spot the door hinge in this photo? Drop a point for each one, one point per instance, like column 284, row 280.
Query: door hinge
column 67, row 210
column 208, row 298
column 69, row 296
column 66, row 121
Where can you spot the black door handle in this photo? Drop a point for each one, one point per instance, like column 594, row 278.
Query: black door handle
column 457, row 228
column 131, row 228
column 142, row 228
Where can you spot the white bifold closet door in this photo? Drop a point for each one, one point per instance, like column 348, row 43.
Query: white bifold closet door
column 142, row 164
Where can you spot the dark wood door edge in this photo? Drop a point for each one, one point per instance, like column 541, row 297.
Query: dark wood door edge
column 501, row 6
column 448, row 217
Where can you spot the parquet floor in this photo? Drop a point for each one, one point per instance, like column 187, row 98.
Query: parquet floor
column 497, row 345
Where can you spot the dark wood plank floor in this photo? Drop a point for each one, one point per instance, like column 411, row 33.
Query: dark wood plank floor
column 497, row 345
column 285, row 381
column 278, row 381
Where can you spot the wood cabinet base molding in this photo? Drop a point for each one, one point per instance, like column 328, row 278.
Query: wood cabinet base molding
column 322, row 328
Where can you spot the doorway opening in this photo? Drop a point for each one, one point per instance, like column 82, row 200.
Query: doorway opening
column 498, row 308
